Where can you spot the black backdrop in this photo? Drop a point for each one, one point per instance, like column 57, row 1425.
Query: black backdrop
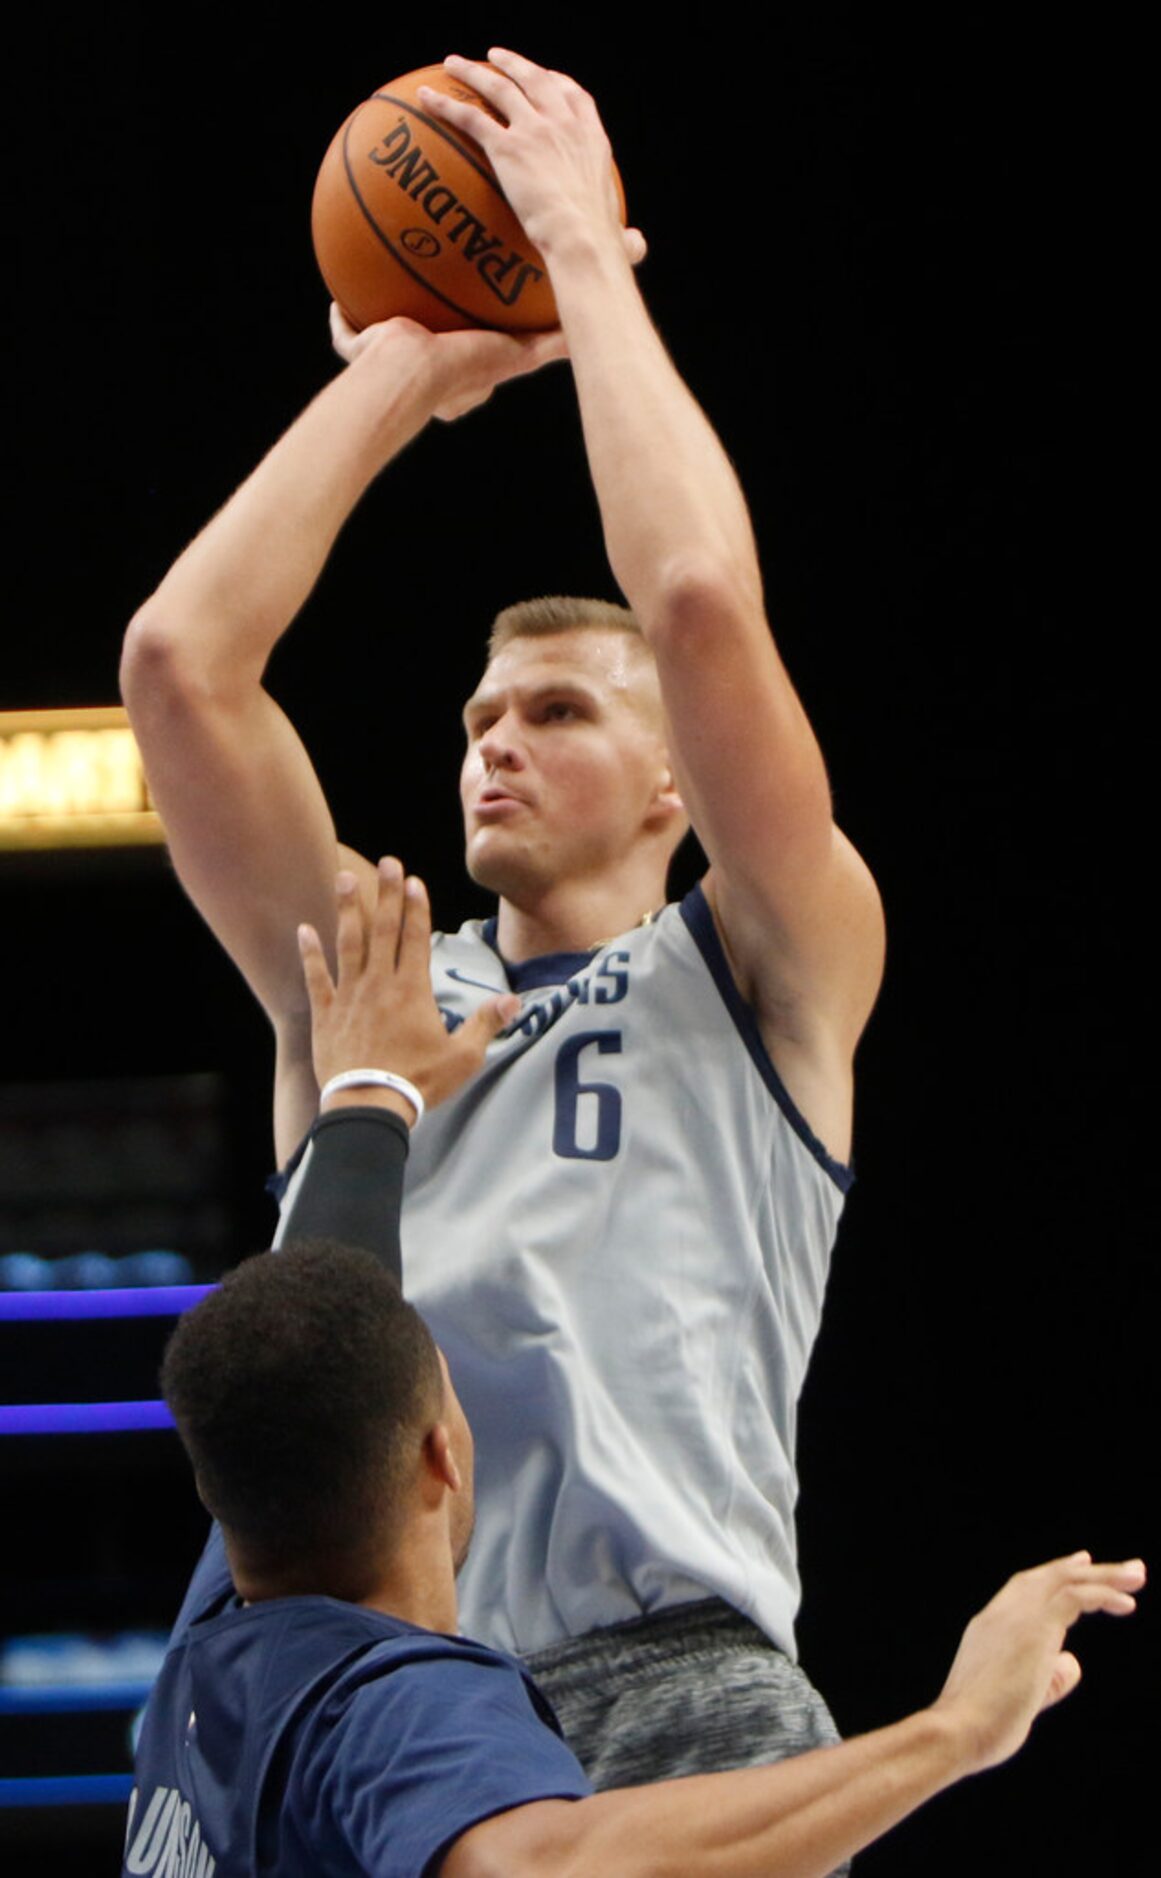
column 888, row 256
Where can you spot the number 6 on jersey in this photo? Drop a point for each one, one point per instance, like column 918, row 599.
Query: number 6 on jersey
column 603, row 1125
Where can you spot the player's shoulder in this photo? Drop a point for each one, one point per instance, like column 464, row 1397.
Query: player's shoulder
column 416, row 1678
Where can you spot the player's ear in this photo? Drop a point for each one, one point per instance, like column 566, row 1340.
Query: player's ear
column 667, row 807
column 669, row 787
column 439, row 1461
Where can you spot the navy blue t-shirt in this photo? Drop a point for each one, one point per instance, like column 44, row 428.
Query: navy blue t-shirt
column 303, row 1736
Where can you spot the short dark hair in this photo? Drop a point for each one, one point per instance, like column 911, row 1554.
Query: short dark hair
column 298, row 1387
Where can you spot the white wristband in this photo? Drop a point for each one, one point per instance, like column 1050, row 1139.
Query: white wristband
column 379, row 1079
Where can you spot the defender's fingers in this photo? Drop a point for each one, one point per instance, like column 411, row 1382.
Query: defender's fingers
column 1079, row 1568
column 479, row 1029
column 415, row 938
column 1076, row 1600
column 319, row 988
column 1130, row 1573
column 350, row 939
column 1062, row 1682
column 1119, row 1577
column 383, row 939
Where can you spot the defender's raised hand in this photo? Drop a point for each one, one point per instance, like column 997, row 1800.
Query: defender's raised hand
column 1012, row 1664
column 379, row 1012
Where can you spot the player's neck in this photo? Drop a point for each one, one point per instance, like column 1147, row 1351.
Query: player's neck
column 419, row 1588
column 574, row 918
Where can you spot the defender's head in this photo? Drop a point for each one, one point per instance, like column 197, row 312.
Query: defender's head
column 566, row 772
column 307, row 1393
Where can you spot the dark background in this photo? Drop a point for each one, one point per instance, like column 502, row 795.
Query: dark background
column 890, row 257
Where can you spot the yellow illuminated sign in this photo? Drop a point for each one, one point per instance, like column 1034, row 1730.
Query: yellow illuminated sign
column 73, row 779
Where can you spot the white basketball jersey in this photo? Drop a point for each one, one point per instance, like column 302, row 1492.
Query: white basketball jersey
column 619, row 1234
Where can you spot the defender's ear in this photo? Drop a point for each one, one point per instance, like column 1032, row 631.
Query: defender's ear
column 439, row 1461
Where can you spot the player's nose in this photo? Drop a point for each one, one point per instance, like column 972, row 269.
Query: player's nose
column 499, row 747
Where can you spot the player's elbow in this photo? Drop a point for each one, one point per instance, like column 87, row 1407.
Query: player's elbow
column 150, row 659
column 698, row 596
column 162, row 671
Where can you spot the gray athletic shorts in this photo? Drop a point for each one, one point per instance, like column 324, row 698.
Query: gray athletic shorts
column 697, row 1689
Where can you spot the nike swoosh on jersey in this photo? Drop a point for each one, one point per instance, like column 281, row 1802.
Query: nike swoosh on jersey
column 462, row 978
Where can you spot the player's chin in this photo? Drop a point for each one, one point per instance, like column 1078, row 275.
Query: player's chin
column 476, row 862
column 494, row 864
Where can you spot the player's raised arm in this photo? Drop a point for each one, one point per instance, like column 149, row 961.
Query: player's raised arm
column 249, row 830
column 797, row 906
column 804, row 1817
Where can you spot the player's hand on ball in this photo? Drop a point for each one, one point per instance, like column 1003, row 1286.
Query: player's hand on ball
column 378, row 1011
column 550, row 152
column 471, row 364
column 466, row 366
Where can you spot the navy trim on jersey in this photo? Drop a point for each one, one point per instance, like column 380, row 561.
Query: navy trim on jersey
column 695, row 911
column 279, row 1181
column 551, row 968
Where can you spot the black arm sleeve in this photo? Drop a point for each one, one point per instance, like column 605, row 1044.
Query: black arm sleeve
column 352, row 1185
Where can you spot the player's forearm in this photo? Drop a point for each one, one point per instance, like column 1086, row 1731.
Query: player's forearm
column 803, row 1817
column 670, row 502
column 227, row 600
column 798, row 1819
column 352, row 1187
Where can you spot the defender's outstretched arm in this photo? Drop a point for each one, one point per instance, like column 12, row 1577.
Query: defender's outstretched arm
column 803, row 1817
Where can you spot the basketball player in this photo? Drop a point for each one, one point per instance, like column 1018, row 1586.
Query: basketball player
column 316, row 1712
column 620, row 1232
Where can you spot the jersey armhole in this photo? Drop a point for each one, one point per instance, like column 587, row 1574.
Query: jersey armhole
column 695, row 911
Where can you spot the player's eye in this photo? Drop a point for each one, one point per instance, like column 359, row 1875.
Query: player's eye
column 559, row 710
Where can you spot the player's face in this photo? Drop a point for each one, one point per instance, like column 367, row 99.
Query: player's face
column 565, row 760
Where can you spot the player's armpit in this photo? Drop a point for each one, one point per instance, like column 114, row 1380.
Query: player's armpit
column 810, row 992
column 818, row 962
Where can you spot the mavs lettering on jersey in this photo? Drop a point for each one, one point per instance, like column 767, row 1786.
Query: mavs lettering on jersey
column 608, row 984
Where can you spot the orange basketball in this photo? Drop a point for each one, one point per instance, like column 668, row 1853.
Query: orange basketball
column 408, row 218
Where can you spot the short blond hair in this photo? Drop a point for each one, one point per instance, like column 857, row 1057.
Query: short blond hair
column 559, row 613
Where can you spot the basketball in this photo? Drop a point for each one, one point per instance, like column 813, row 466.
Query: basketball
column 409, row 218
